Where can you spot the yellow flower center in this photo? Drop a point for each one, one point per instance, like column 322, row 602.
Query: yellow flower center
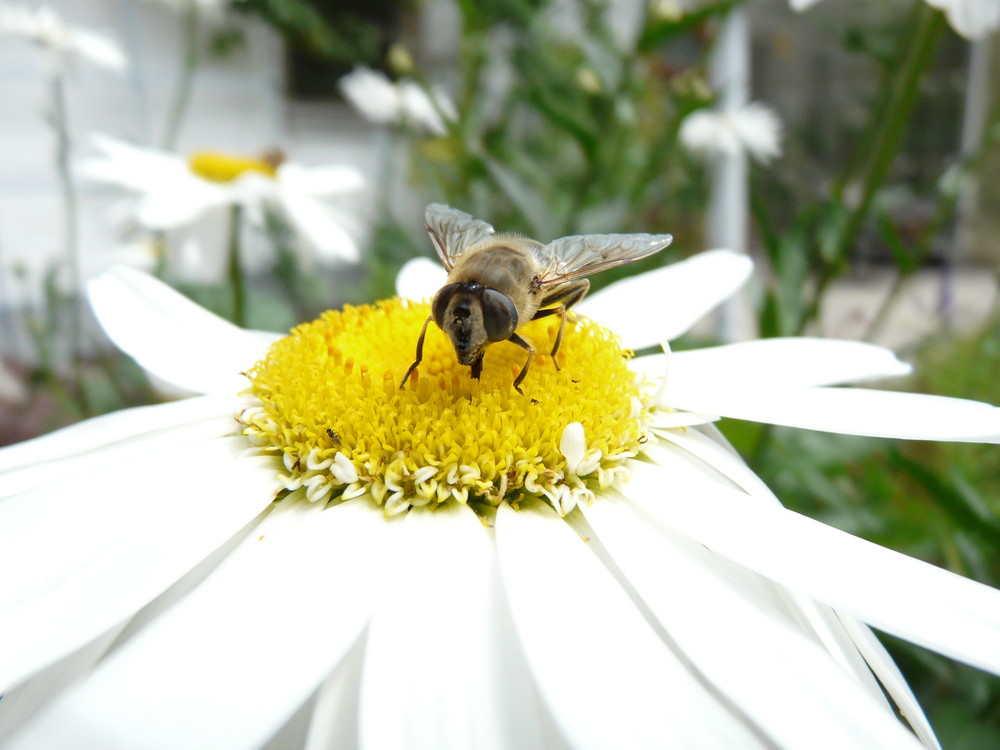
column 327, row 399
column 219, row 167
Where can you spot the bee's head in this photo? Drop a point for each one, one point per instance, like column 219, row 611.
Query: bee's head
column 473, row 316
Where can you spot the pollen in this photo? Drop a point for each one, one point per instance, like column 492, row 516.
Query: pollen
column 216, row 166
column 327, row 400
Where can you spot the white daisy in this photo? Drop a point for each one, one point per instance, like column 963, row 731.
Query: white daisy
column 753, row 129
column 404, row 103
column 683, row 607
column 973, row 19
column 172, row 191
column 45, row 28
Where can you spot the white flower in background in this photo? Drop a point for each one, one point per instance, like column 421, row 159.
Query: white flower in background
column 158, row 578
column 973, row 19
column 44, row 27
column 172, row 192
column 404, row 103
column 753, row 129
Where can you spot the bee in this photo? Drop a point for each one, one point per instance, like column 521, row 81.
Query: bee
column 499, row 282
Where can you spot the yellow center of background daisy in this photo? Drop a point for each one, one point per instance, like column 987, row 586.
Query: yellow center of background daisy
column 327, row 399
column 219, row 167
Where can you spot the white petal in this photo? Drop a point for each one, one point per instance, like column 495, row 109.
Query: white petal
column 131, row 166
column 334, row 723
column 895, row 593
column 99, row 50
column 139, row 448
column 89, row 559
column 717, row 454
column 801, row 5
column 442, row 669
column 320, row 181
column 706, row 132
column 608, row 678
column 318, row 223
column 420, row 278
column 795, row 361
column 91, row 436
column 973, row 19
column 21, row 703
column 851, row 411
column 893, row 681
column 171, row 336
column 181, row 201
column 759, row 130
column 764, row 662
column 662, row 304
column 231, row 663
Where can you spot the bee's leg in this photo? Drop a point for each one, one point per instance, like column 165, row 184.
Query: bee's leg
column 420, row 352
column 477, row 367
column 569, row 295
column 515, row 339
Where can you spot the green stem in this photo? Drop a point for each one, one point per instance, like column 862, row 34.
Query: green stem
column 60, row 125
column 185, row 81
column 236, row 281
column 900, row 88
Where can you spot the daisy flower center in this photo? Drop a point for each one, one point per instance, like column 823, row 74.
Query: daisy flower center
column 216, row 166
column 327, row 399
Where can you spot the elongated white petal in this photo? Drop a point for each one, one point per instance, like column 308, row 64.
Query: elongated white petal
column 895, row 593
column 731, row 469
column 334, row 724
column 138, row 449
column 851, row 411
column 890, row 677
column 171, row 336
column 607, row 676
column 796, row 361
column 129, row 166
column 320, row 181
column 420, row 278
column 22, row 702
column 744, row 644
column 973, row 19
column 442, row 669
column 319, row 225
column 92, row 549
column 795, row 678
column 231, row 663
column 685, row 462
column 179, row 202
column 89, row 437
column 684, row 293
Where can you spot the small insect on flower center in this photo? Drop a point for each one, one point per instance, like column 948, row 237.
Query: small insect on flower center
column 220, row 167
column 327, row 400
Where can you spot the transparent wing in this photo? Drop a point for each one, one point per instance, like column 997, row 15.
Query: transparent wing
column 581, row 255
column 453, row 231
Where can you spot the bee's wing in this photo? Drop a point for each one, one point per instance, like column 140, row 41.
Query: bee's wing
column 581, row 255
column 453, row 231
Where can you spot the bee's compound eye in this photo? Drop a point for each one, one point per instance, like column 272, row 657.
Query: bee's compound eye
column 499, row 315
column 440, row 304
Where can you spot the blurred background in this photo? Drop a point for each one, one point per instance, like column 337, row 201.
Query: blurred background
column 272, row 158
